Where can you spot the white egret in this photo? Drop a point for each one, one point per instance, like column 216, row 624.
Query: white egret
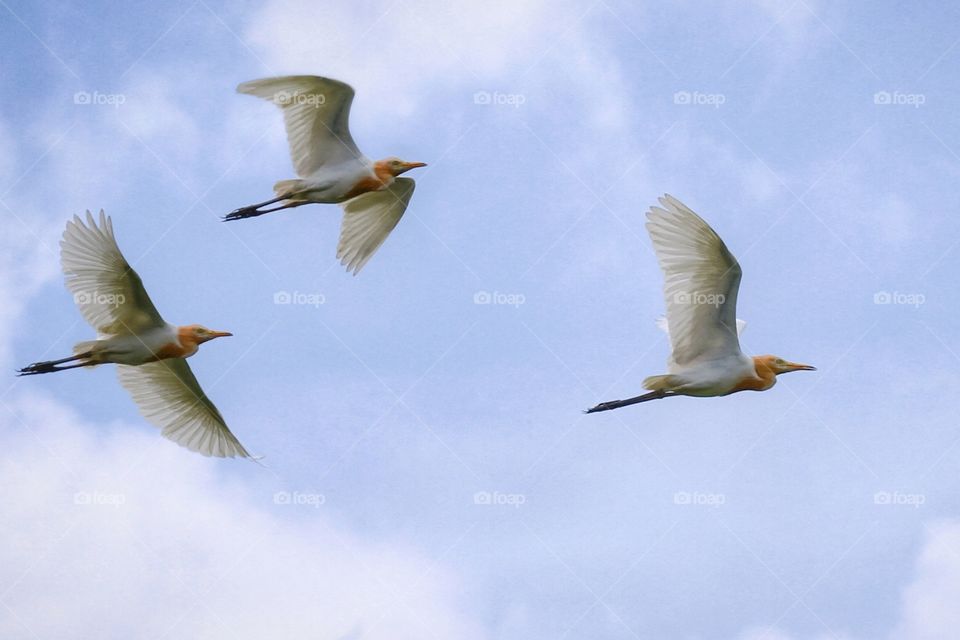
column 150, row 353
column 701, row 281
column 330, row 167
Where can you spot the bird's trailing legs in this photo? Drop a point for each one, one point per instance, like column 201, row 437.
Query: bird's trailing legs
column 51, row 366
column 616, row 404
column 255, row 210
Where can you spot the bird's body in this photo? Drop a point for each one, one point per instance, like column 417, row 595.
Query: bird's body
column 701, row 283
column 149, row 345
column 331, row 168
column 149, row 352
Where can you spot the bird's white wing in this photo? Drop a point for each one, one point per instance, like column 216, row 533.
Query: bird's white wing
column 316, row 112
column 664, row 326
column 701, row 280
column 368, row 220
column 170, row 397
column 107, row 290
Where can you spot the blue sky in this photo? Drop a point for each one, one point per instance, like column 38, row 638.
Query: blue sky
column 820, row 141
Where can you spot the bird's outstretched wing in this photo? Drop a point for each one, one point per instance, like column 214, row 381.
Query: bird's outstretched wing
column 170, row 397
column 664, row 326
column 316, row 112
column 368, row 220
column 105, row 287
column 701, row 280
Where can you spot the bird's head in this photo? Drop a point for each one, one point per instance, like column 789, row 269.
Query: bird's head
column 198, row 334
column 779, row 365
column 396, row 166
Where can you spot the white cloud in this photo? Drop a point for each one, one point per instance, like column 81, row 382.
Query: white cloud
column 395, row 57
column 118, row 533
column 929, row 603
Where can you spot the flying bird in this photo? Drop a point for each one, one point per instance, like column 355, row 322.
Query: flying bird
column 150, row 354
column 701, row 281
column 331, row 169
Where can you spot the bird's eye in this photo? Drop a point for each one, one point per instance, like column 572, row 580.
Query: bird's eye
column 781, row 361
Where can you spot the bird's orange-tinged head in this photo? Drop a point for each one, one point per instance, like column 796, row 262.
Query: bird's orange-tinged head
column 779, row 365
column 396, row 166
column 198, row 334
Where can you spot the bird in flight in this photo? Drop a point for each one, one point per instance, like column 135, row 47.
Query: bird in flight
column 331, row 169
column 150, row 354
column 701, row 280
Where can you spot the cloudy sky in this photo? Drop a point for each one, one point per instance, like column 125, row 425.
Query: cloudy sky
column 428, row 470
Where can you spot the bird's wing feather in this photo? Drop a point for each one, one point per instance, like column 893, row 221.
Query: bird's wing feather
column 170, row 397
column 105, row 287
column 701, row 280
column 368, row 220
column 664, row 326
column 316, row 112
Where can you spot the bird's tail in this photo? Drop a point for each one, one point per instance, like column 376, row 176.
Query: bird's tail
column 86, row 348
column 661, row 383
column 285, row 188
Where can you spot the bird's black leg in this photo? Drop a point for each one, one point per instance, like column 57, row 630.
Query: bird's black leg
column 254, row 210
column 50, row 366
column 616, row 404
column 250, row 212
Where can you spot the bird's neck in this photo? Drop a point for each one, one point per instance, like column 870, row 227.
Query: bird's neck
column 382, row 170
column 763, row 379
column 187, row 341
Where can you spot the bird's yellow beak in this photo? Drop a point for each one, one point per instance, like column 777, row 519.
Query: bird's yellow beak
column 413, row 165
column 220, row 334
column 795, row 366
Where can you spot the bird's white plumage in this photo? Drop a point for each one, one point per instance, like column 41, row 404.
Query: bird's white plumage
column 316, row 112
column 664, row 326
column 701, row 280
column 368, row 220
column 112, row 299
column 108, row 292
column 170, row 397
